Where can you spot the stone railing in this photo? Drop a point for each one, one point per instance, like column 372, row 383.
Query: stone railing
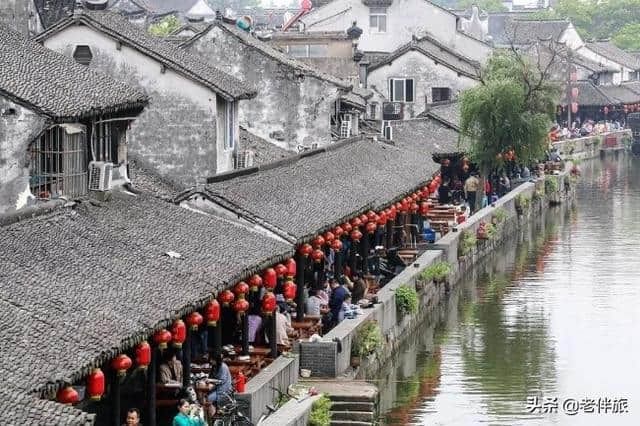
column 590, row 146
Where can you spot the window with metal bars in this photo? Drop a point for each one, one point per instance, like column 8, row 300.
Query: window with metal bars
column 59, row 163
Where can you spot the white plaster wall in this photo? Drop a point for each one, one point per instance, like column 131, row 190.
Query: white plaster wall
column 426, row 74
column 590, row 54
column 571, row 38
column 405, row 18
column 149, row 76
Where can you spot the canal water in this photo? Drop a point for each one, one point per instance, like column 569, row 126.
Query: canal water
column 546, row 331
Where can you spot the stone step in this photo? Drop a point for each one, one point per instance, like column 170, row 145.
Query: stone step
column 352, row 398
column 349, row 423
column 352, row 406
column 354, row 416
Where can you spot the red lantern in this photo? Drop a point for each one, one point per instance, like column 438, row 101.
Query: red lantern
column 317, row 255
column 433, row 186
column 382, row 219
column 606, row 110
column 414, row 207
column 161, row 338
column 415, row 196
column 121, row 364
column 318, row 242
column 255, row 282
column 291, row 268
column 371, row 215
column 355, row 222
column 194, row 319
column 67, row 395
column 329, row 237
column 346, row 227
column 626, row 109
column 305, row 249
column 95, row 384
column 338, row 231
column 574, row 107
column 212, row 313
column 241, row 289
column 404, row 205
column 393, row 211
column 356, row 235
column 371, row 227
column 575, row 92
column 336, row 245
column 289, row 291
column 269, row 303
column 226, row 297
column 269, row 279
column 241, row 306
column 178, row 333
column 424, row 208
column 143, row 355
column 364, row 219
column 280, row 270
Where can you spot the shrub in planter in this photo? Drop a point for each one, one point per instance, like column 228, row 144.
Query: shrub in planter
column 551, row 185
column 466, row 243
column 406, row 300
column 321, row 412
column 522, row 203
column 491, row 230
column 438, row 272
column 368, row 339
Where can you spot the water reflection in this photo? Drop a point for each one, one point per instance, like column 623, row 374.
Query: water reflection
column 552, row 314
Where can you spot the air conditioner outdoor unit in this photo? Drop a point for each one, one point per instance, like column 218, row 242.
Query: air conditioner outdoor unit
column 244, row 159
column 345, row 126
column 100, row 174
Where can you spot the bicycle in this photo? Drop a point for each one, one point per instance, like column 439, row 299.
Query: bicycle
column 227, row 412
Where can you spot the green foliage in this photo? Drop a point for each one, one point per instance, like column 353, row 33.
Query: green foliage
column 551, row 185
column 491, row 230
column 466, row 243
column 437, row 272
column 368, row 340
column 486, row 5
column 522, row 202
column 165, row 27
column 406, row 299
column 500, row 215
column 321, row 412
column 511, row 109
column 628, row 37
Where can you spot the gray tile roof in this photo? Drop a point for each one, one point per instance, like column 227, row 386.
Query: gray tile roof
column 55, row 85
column 249, row 40
column 527, row 31
column 183, row 62
column 622, row 94
column 438, row 52
column 320, row 189
column 614, row 53
column 425, row 135
column 20, row 409
column 162, row 7
column 265, row 152
column 144, row 178
column 591, row 95
column 80, row 285
column 448, row 111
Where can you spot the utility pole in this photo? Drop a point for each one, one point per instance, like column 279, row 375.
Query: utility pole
column 569, row 94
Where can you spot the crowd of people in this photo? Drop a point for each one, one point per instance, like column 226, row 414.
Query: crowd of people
column 580, row 129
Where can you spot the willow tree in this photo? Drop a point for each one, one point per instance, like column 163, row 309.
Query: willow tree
column 510, row 110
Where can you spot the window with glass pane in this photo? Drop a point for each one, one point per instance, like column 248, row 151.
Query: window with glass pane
column 298, row 50
column 317, row 50
column 378, row 19
column 401, row 89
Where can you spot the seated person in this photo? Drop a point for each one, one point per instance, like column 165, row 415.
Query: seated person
column 220, row 393
column 283, row 326
column 315, row 306
column 185, row 417
column 170, row 370
column 255, row 324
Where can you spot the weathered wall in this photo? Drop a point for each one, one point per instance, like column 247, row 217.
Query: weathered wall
column 177, row 132
column 21, row 15
column 405, row 18
column 17, row 131
column 426, row 74
column 297, row 109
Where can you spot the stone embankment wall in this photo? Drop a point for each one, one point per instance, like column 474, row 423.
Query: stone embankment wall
column 592, row 146
column 331, row 356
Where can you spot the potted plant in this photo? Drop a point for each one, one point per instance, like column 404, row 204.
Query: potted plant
column 438, row 272
column 368, row 339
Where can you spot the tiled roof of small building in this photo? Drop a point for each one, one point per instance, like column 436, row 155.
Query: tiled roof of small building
column 183, row 62
column 265, row 152
column 266, row 49
column 55, row 85
column 448, row 111
column 18, row 408
column 322, row 188
column 425, row 135
column 51, row 11
column 438, row 52
column 82, row 284
column 144, row 178
column 591, row 95
column 614, row 53
column 527, row 31
column 622, row 94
